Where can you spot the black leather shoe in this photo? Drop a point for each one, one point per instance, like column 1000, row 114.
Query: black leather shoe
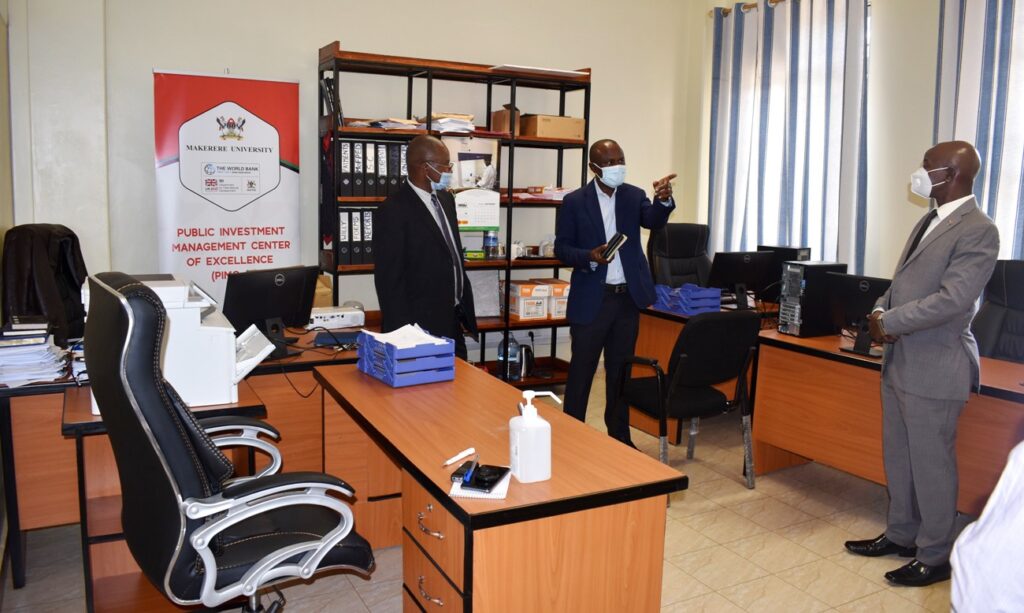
column 918, row 574
column 880, row 546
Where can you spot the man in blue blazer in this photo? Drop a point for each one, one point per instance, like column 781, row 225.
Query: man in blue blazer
column 606, row 295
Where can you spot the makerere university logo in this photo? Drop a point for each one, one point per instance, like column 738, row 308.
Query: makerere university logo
column 231, row 128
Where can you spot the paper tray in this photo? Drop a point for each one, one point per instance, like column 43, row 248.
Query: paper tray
column 368, row 344
column 410, row 378
column 431, row 362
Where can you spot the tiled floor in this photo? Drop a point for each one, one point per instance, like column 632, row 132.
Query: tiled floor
column 776, row 548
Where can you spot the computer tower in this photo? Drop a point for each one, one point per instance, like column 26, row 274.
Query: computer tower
column 804, row 307
column 781, row 254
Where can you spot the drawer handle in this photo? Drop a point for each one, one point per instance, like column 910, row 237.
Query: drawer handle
column 427, row 596
column 425, row 530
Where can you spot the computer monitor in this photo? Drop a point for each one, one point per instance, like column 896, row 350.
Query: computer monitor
column 271, row 299
column 740, row 271
column 852, row 298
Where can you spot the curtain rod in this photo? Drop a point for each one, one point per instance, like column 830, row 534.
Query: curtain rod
column 746, row 7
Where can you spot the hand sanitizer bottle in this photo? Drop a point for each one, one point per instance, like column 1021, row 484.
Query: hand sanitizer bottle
column 529, row 437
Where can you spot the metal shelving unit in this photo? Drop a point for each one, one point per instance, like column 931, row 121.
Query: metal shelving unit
column 333, row 62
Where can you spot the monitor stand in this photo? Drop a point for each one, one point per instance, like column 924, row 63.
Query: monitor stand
column 274, row 329
column 862, row 343
column 741, row 297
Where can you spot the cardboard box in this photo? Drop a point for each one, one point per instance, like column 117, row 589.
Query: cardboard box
column 556, row 287
column 499, row 120
column 528, row 309
column 526, row 289
column 557, row 306
column 553, row 126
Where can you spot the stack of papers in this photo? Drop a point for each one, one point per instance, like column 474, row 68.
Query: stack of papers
column 549, row 193
column 449, row 122
column 409, row 335
column 23, row 364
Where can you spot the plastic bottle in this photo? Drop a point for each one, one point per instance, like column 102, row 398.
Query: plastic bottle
column 529, row 439
column 512, row 355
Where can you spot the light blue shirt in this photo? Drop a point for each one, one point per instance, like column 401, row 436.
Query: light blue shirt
column 615, row 276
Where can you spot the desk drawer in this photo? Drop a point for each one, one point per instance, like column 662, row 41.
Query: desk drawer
column 434, row 528
column 429, row 588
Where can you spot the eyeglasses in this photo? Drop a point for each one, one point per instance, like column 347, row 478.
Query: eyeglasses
column 440, row 167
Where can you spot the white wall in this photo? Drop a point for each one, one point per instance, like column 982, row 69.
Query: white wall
column 901, row 107
column 58, row 119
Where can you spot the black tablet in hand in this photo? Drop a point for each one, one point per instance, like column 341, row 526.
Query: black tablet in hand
column 614, row 243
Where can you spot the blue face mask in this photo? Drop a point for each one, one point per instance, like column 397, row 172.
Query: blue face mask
column 613, row 176
column 442, row 182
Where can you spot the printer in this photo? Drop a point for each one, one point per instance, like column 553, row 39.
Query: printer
column 202, row 359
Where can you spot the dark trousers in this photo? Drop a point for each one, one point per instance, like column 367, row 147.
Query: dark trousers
column 614, row 331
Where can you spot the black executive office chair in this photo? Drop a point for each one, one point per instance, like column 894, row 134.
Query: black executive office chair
column 999, row 323
column 678, row 253
column 199, row 536
column 710, row 349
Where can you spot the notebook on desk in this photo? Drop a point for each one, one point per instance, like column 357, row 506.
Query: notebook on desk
column 499, row 492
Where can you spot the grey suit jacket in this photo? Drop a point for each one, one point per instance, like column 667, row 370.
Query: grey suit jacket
column 931, row 303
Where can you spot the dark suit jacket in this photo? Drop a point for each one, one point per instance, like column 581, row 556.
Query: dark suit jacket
column 413, row 267
column 43, row 273
column 580, row 228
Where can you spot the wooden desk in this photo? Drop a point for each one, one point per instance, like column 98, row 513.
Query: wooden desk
column 816, row 403
column 113, row 580
column 31, row 449
column 589, row 539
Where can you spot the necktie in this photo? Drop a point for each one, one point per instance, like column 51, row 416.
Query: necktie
column 932, row 214
column 446, row 231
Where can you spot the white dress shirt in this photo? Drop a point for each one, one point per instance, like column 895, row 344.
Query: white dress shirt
column 943, row 211
column 987, row 570
column 615, row 276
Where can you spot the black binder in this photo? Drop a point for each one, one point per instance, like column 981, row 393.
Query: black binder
column 394, row 160
column 382, row 169
column 403, row 167
column 370, row 159
column 358, row 189
column 344, row 237
column 345, row 180
column 357, row 236
column 368, row 236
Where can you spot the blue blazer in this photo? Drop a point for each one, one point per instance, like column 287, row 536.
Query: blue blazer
column 580, row 228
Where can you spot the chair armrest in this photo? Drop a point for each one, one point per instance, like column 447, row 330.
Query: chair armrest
column 226, row 423
column 242, row 493
column 243, row 501
column 648, row 362
column 236, row 431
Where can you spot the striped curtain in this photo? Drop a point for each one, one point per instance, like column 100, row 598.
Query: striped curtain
column 788, row 130
column 979, row 95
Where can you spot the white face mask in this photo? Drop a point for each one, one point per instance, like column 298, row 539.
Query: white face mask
column 921, row 183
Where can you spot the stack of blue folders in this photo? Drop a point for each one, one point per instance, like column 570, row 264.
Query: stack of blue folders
column 401, row 364
column 688, row 299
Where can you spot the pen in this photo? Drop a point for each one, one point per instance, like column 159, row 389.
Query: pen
column 468, row 477
column 460, row 455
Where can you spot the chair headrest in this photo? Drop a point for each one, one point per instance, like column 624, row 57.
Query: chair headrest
column 1006, row 286
column 681, row 240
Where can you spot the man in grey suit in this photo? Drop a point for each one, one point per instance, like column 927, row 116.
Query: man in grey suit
column 930, row 363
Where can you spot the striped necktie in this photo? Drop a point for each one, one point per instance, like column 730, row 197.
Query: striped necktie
column 446, row 232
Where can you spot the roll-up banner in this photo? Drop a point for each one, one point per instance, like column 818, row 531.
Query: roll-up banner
column 227, row 175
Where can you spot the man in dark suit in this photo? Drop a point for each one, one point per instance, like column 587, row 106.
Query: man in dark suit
column 930, row 363
column 606, row 295
column 418, row 272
